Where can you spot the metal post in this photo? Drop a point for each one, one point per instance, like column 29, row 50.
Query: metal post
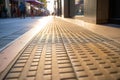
column 55, row 7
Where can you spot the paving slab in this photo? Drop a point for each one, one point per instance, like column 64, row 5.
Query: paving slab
column 64, row 51
column 108, row 30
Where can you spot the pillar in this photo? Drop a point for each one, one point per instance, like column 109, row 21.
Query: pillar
column 7, row 5
column 96, row 11
column 68, row 8
column 64, row 8
column 71, row 8
column 90, row 10
column 102, row 11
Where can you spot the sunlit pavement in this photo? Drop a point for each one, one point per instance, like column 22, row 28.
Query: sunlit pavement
column 12, row 28
column 13, row 47
column 108, row 30
column 61, row 51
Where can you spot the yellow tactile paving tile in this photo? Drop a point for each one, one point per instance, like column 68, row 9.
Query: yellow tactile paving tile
column 65, row 51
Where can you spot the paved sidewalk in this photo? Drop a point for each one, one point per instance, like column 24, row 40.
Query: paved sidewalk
column 108, row 30
column 65, row 51
column 9, row 52
column 12, row 28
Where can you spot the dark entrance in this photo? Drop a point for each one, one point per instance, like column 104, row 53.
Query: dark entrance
column 115, row 11
column 59, row 7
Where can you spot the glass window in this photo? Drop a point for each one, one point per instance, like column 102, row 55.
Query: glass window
column 79, row 7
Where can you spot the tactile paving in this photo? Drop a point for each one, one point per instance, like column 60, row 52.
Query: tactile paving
column 65, row 51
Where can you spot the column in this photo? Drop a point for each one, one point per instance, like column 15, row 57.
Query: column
column 71, row 8
column 96, row 11
column 7, row 5
column 68, row 8
column 90, row 10
column 102, row 11
column 65, row 8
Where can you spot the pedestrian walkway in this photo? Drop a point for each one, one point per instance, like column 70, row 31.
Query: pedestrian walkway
column 108, row 30
column 65, row 51
column 12, row 28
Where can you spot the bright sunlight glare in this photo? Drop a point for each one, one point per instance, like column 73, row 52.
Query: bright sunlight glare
column 41, row 23
column 50, row 5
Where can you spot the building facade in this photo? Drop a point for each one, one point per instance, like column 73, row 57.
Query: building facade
column 94, row 11
column 9, row 5
column 10, row 8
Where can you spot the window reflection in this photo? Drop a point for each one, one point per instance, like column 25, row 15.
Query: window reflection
column 79, row 6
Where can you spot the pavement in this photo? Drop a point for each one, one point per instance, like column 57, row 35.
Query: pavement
column 15, row 34
column 63, row 49
column 111, row 31
column 12, row 28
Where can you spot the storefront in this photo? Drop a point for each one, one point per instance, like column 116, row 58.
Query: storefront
column 10, row 8
column 2, row 9
column 34, row 6
column 6, row 8
column 79, row 7
column 114, row 14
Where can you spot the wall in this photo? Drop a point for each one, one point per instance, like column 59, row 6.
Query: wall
column 64, row 8
column 68, row 8
column 96, row 11
column 114, row 14
column 71, row 8
column 90, row 10
column 102, row 11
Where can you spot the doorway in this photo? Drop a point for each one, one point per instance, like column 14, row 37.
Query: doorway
column 114, row 14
